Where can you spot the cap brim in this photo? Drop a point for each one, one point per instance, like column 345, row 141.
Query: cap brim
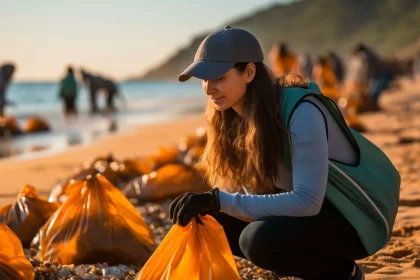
column 205, row 70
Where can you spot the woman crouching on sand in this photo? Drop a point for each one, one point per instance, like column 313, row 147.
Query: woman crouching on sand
column 277, row 138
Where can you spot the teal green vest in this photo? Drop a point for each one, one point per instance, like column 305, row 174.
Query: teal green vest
column 366, row 194
column 68, row 87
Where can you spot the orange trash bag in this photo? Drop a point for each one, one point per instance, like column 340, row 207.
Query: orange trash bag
column 36, row 124
column 196, row 252
column 193, row 155
column 96, row 224
column 27, row 214
column 118, row 173
column 13, row 264
column 8, row 127
column 162, row 156
column 107, row 165
column 189, row 141
column 168, row 181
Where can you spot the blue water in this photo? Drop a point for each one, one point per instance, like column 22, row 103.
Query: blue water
column 145, row 102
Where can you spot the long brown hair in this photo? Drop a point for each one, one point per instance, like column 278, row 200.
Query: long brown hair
column 247, row 151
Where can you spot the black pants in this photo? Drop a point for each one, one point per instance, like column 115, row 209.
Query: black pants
column 69, row 105
column 317, row 247
column 93, row 92
column 110, row 100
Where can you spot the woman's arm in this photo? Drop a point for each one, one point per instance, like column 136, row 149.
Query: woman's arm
column 310, row 173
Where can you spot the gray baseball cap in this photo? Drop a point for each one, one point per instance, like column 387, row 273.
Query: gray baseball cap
column 220, row 51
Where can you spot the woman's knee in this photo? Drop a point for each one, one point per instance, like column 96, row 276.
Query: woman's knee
column 257, row 240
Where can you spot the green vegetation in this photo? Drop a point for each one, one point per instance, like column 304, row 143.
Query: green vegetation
column 315, row 26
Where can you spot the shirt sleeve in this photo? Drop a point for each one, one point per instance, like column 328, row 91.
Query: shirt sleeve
column 310, row 172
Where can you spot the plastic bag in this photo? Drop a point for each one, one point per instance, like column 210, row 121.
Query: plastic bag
column 95, row 224
column 102, row 164
column 13, row 264
column 189, row 142
column 27, row 214
column 36, row 124
column 163, row 156
column 57, row 194
column 132, row 168
column 8, row 127
column 196, row 252
column 193, row 155
column 117, row 172
column 168, row 182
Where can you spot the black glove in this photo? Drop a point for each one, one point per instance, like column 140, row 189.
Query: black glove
column 190, row 205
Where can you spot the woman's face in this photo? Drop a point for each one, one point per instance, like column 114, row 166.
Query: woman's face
column 229, row 90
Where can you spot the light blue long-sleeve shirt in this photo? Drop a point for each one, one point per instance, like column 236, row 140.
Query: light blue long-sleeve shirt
column 310, row 155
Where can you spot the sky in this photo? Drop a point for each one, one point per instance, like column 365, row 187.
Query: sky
column 119, row 38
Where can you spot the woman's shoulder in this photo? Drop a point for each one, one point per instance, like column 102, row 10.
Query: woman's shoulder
column 309, row 87
column 291, row 97
column 307, row 112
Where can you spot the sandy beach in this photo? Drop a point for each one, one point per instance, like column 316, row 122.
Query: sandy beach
column 43, row 172
column 395, row 129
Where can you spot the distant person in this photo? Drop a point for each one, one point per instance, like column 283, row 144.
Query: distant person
column 305, row 64
column 374, row 62
column 112, row 92
column 283, row 60
column 379, row 75
column 354, row 91
column 356, row 81
column 6, row 74
column 416, row 67
column 68, row 94
column 337, row 65
column 95, row 84
column 323, row 74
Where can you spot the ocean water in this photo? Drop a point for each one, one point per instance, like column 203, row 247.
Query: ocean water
column 143, row 102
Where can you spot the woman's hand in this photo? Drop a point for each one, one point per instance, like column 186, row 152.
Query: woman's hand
column 189, row 205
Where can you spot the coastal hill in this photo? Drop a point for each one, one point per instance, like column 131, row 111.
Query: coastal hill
column 315, row 26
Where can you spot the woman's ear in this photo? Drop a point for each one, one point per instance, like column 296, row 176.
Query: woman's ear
column 250, row 72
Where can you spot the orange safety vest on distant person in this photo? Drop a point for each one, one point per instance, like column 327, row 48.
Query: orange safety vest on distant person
column 324, row 76
column 284, row 65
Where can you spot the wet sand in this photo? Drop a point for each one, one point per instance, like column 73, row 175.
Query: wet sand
column 43, row 172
